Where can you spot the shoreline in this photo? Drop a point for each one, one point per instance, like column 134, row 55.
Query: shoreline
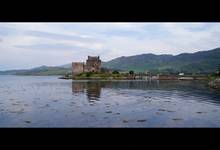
column 137, row 79
column 215, row 84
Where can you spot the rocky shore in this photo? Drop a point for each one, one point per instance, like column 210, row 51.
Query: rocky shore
column 215, row 83
column 129, row 77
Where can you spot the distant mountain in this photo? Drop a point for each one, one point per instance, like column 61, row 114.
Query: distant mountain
column 41, row 68
column 11, row 72
column 39, row 71
column 66, row 66
column 199, row 62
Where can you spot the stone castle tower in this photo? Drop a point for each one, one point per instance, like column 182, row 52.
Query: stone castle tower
column 93, row 64
column 77, row 68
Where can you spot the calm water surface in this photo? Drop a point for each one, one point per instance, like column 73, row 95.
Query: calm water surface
column 50, row 102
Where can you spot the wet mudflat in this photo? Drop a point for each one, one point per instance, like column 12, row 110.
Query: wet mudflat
column 27, row 101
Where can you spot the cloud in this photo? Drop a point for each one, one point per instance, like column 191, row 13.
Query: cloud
column 33, row 43
column 53, row 47
column 60, row 43
column 56, row 36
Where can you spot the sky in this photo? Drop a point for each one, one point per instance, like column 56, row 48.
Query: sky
column 29, row 45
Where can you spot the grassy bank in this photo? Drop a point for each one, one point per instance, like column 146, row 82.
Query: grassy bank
column 100, row 76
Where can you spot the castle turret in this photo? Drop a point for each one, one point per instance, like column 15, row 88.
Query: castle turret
column 93, row 64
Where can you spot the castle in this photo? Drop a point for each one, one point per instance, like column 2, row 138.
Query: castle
column 93, row 64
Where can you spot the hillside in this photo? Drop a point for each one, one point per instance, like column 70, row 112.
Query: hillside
column 39, row 71
column 199, row 62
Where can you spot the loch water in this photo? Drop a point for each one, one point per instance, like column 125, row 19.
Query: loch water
column 36, row 101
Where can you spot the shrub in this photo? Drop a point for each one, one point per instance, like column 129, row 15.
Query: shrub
column 88, row 74
column 115, row 72
column 218, row 73
column 131, row 72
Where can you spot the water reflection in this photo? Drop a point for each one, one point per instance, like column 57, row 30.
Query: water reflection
column 184, row 89
column 78, row 87
column 92, row 89
column 49, row 102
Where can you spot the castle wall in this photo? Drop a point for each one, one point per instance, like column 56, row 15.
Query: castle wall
column 77, row 68
column 93, row 64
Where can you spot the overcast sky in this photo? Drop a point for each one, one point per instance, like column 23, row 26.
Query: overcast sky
column 28, row 45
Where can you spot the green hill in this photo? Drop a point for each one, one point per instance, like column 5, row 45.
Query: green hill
column 199, row 62
column 191, row 63
column 39, row 71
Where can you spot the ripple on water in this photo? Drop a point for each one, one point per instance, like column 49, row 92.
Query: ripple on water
column 111, row 103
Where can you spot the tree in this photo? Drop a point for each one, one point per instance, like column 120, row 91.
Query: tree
column 115, row 72
column 66, row 75
column 218, row 71
column 131, row 72
column 88, row 74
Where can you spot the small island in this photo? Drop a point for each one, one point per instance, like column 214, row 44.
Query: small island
column 92, row 70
